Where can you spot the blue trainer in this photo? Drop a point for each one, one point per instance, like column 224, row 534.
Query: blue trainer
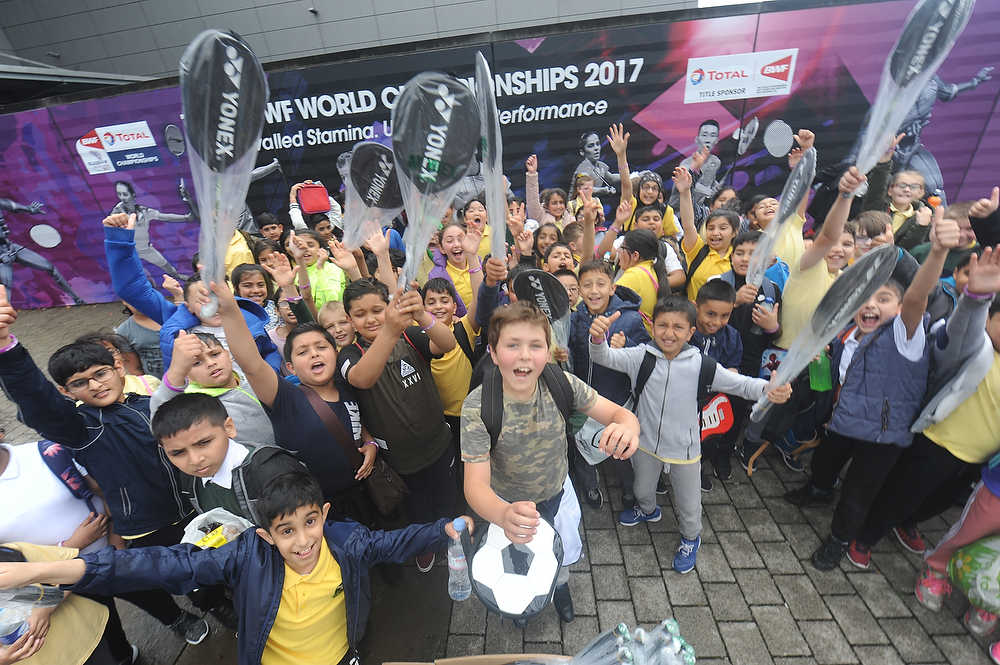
column 635, row 516
column 687, row 555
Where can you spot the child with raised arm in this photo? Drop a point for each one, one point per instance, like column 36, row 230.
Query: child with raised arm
column 709, row 257
column 670, row 415
column 879, row 366
column 300, row 583
column 524, row 476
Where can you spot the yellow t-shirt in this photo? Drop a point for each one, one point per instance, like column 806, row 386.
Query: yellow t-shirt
column 789, row 247
column 711, row 266
column 802, row 292
column 452, row 372
column 311, row 624
column 76, row 626
column 484, row 244
column 669, row 222
column 462, row 280
column 237, row 253
column 641, row 278
column 898, row 218
column 972, row 431
column 141, row 385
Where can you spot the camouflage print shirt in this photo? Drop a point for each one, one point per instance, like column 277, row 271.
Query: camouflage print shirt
column 529, row 462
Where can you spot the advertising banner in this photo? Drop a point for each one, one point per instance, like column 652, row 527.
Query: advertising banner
column 739, row 85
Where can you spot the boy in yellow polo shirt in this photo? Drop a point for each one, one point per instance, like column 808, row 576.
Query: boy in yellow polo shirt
column 300, row 587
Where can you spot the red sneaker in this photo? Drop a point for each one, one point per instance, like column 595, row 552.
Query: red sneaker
column 859, row 554
column 910, row 539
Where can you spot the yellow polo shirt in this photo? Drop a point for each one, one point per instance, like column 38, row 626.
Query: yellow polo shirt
column 237, row 253
column 452, row 372
column 972, row 431
column 311, row 625
column 789, row 246
column 640, row 278
column 899, row 217
column 462, row 280
column 803, row 291
column 712, row 265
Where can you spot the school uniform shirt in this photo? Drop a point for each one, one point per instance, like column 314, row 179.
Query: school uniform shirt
column 311, row 624
column 899, row 217
column 77, row 625
column 530, row 461
column 714, row 264
column 403, row 410
column 141, row 385
column 803, row 291
column 972, row 431
column 642, row 279
column 669, row 221
column 299, row 429
column 218, row 490
column 237, row 253
column 789, row 246
column 462, row 281
column 452, row 372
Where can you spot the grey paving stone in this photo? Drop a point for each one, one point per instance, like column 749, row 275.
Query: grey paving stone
column 760, row 525
column 578, row 634
column 935, row 623
column 665, row 545
column 963, row 650
column 780, row 631
column 744, row 644
column 897, row 569
column 684, row 589
column 719, row 492
column 544, row 628
column 910, row 640
column 581, row 588
column 858, row 624
column 882, row 600
column 819, row 517
column 713, row 566
column 828, row 581
column 724, row 518
column 744, row 495
column 767, row 483
column 795, row 661
column 878, row 656
column 801, row 597
column 610, row 582
column 640, row 560
column 700, row 631
column 827, row 642
column 649, row 598
column 779, row 558
column 740, row 550
column 727, row 602
column 502, row 636
column 757, row 586
column 602, row 518
column 632, row 535
column 783, row 512
column 802, row 538
column 610, row 613
column 465, row 645
column 668, row 520
column 603, row 546
column 708, row 534
column 468, row 618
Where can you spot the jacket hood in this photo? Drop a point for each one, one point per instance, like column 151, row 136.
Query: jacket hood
column 623, row 299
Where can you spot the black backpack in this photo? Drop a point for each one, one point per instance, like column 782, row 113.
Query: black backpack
column 705, row 378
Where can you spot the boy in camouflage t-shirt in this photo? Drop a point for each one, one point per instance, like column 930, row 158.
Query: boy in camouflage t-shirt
column 523, row 478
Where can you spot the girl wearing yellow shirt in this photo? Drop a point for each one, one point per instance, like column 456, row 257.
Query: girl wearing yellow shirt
column 645, row 272
column 720, row 229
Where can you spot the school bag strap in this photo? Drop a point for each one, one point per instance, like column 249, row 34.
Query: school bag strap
column 61, row 464
column 706, row 376
column 463, row 341
column 696, row 262
column 336, row 428
column 491, row 409
column 729, row 278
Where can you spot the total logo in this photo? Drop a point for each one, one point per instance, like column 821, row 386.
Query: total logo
column 727, row 74
column 779, row 69
column 118, row 148
column 697, row 76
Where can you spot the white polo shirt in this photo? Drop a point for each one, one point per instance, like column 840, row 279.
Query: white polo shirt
column 37, row 507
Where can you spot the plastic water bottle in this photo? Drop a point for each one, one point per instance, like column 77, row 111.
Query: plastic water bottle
column 13, row 624
column 459, row 584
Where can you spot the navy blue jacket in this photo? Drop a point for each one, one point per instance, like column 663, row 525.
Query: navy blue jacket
column 142, row 489
column 255, row 571
column 725, row 346
column 612, row 385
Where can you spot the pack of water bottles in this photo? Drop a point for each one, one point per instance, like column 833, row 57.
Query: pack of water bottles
column 16, row 606
column 661, row 646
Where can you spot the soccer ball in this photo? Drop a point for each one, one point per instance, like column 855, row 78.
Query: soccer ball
column 516, row 580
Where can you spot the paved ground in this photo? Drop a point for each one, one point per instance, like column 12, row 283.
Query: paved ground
column 753, row 597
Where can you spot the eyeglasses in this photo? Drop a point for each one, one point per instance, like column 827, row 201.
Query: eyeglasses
column 100, row 376
column 284, row 305
column 903, row 187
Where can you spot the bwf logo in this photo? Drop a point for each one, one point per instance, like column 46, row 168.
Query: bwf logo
column 778, row 69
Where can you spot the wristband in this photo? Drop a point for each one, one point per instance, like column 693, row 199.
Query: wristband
column 473, row 271
column 981, row 297
column 433, row 321
column 172, row 387
column 13, row 343
column 369, row 443
column 293, row 299
column 771, row 332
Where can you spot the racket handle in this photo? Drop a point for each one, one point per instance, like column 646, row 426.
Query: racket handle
column 860, row 191
column 760, row 409
column 210, row 309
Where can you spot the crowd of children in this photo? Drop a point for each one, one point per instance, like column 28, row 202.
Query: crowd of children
column 317, row 370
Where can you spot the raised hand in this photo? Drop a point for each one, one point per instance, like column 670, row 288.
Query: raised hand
column 399, row 313
column 622, row 213
column 618, row 139
column 174, row 287
column 682, row 179
column 924, row 215
column 471, row 241
column 342, row 257
column 524, row 242
column 531, row 164
column 891, row 150
column 600, row 326
column 984, row 272
column 851, row 180
column 780, row 394
column 379, row 242
column 495, row 270
column 945, row 233
column 8, row 315
column 187, row 351
column 35, row 208
column 293, row 192
column 120, row 221
column 227, row 301
column 805, row 139
column 617, row 341
column 794, row 157
column 986, row 207
column 281, row 270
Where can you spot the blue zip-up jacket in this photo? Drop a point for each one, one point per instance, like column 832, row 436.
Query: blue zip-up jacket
column 128, row 279
column 142, row 489
column 255, row 571
column 725, row 346
column 608, row 383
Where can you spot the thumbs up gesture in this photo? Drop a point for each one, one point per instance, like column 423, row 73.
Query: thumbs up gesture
column 600, row 326
column 8, row 315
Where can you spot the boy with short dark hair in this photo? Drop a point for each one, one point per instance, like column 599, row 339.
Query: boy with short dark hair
column 670, row 415
column 301, row 584
column 713, row 334
column 270, row 227
column 525, row 475
column 198, row 435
